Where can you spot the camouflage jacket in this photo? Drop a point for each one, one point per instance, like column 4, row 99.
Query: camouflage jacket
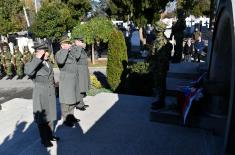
column 17, row 58
column 5, row 57
column 162, row 53
column 27, row 57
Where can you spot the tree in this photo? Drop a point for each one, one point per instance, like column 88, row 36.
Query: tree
column 78, row 8
column 117, row 59
column 141, row 12
column 11, row 16
column 53, row 19
column 195, row 7
column 96, row 29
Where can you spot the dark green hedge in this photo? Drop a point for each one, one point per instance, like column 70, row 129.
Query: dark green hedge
column 117, row 60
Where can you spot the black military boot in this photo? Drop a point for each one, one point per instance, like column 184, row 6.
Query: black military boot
column 50, row 133
column 74, row 119
column 44, row 134
column 69, row 121
column 81, row 108
column 20, row 77
column 9, row 77
column 158, row 105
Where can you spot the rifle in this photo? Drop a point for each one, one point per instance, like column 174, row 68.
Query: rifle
column 4, row 62
column 24, row 57
column 14, row 60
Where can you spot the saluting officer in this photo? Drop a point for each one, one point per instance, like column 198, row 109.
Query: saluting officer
column 83, row 72
column 69, row 90
column 40, row 70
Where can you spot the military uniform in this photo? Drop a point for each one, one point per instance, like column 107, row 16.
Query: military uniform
column 17, row 60
column 6, row 61
column 44, row 99
column 27, row 56
column 83, row 73
column 69, row 90
column 1, row 67
column 161, row 57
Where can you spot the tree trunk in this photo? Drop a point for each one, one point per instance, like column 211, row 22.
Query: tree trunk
column 92, row 54
column 142, row 39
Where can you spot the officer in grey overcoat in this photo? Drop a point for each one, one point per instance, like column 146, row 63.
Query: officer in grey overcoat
column 83, row 71
column 40, row 70
column 69, row 90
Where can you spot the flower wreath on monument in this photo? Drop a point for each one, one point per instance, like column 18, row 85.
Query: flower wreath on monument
column 188, row 94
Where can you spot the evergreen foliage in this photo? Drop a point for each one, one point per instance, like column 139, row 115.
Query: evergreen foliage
column 96, row 29
column 11, row 16
column 56, row 17
column 117, row 58
column 52, row 21
column 195, row 7
column 141, row 12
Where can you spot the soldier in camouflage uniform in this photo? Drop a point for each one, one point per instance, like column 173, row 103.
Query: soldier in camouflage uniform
column 161, row 56
column 1, row 66
column 17, row 61
column 6, row 61
column 27, row 56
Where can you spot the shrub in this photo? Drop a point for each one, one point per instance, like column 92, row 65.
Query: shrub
column 94, row 82
column 117, row 58
column 140, row 80
column 140, row 67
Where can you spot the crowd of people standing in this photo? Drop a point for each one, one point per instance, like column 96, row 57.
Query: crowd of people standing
column 194, row 47
column 13, row 64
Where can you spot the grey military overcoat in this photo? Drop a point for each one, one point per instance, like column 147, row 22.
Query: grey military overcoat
column 44, row 99
column 83, row 71
column 69, row 90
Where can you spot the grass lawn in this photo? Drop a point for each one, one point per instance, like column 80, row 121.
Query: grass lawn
column 98, row 63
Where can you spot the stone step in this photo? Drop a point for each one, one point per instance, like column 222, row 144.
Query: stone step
column 215, row 124
column 186, row 76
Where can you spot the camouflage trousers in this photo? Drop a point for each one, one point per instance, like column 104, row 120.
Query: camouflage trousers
column 8, row 69
column 1, row 70
column 19, row 69
column 160, row 84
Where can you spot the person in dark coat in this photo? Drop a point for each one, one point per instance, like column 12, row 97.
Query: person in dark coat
column 83, row 71
column 41, row 72
column 69, row 90
column 188, row 50
column 199, row 47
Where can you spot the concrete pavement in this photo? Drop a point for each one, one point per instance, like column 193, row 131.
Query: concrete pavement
column 114, row 124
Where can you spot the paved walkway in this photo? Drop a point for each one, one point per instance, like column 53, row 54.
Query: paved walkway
column 113, row 125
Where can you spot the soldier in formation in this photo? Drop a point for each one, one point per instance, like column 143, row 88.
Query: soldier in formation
column 161, row 56
column 6, row 61
column 17, row 61
column 27, row 56
column 40, row 70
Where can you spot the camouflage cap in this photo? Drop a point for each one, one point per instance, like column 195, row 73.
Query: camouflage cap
column 65, row 39
column 26, row 48
column 79, row 37
column 5, row 44
column 160, row 26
